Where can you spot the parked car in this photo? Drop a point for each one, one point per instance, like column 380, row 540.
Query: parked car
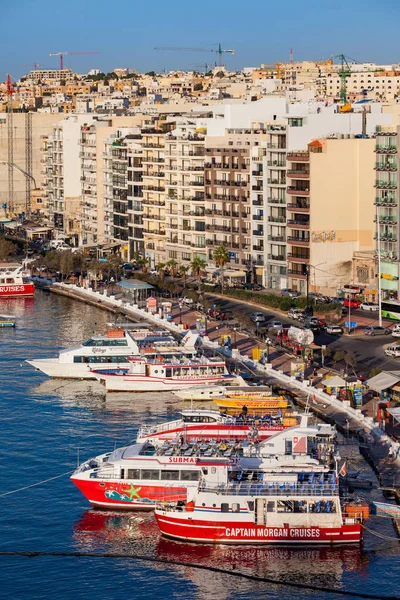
column 396, row 330
column 393, row 350
column 257, row 317
column 275, row 324
column 333, row 330
column 369, row 306
column 352, row 303
column 344, row 311
column 337, row 300
column 290, row 293
column 376, row 330
column 294, row 313
column 315, row 328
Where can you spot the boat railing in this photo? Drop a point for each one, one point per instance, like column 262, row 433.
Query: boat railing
column 271, row 489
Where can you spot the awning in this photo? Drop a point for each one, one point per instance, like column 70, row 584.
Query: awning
column 383, row 381
column 234, row 273
column 135, row 284
column 334, row 382
column 395, row 412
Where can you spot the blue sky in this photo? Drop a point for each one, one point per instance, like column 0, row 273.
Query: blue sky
column 125, row 32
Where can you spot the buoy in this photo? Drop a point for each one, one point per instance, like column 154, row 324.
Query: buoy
column 190, row 507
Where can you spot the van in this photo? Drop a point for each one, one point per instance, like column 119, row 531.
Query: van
column 393, row 350
column 56, row 244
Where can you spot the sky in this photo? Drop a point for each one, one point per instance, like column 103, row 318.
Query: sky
column 126, row 32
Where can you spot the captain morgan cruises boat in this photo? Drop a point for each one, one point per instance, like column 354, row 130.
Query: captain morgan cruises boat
column 12, row 284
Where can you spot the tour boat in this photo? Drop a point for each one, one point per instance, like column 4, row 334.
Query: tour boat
column 113, row 350
column 139, row 475
column 210, row 424
column 12, row 284
column 283, row 508
column 268, row 403
column 164, row 374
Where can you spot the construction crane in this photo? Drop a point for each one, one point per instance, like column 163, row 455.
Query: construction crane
column 278, row 68
column 35, row 65
column 62, row 54
column 218, row 51
column 207, row 67
column 344, row 72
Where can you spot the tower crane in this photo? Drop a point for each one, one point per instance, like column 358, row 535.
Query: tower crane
column 344, row 72
column 206, row 66
column 62, row 54
column 220, row 51
column 35, row 65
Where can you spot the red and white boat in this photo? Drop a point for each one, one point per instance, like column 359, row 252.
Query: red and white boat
column 210, row 424
column 12, row 284
column 140, row 475
column 281, row 508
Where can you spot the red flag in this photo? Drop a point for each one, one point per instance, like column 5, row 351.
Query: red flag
column 343, row 470
column 314, row 399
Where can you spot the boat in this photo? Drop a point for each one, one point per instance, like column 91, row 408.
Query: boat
column 113, row 350
column 210, row 424
column 12, row 284
column 386, row 509
column 7, row 321
column 139, row 475
column 270, row 402
column 277, row 509
column 164, row 374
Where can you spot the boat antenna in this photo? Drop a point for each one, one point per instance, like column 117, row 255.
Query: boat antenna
column 77, row 458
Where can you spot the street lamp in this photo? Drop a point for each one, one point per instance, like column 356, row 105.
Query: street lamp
column 180, row 312
column 234, row 336
column 268, row 343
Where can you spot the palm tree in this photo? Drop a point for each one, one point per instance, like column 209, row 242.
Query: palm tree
column 173, row 267
column 184, row 270
column 143, row 262
column 198, row 265
column 221, row 257
column 160, row 268
column 96, row 268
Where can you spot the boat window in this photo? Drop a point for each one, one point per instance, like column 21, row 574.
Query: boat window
column 271, row 506
column 190, row 475
column 235, row 507
column 150, row 474
column 250, row 504
column 224, row 507
column 168, row 372
column 284, row 506
column 169, row 475
column 148, row 451
column 288, row 446
column 122, row 473
column 133, row 474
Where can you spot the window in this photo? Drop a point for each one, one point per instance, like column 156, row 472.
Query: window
column 150, row 474
column 224, row 507
column 170, row 475
column 133, row 474
column 190, row 475
column 235, row 507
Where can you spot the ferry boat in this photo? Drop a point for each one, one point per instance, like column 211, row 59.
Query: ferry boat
column 113, row 350
column 210, row 424
column 268, row 403
column 12, row 284
column 139, row 475
column 280, row 508
column 164, row 373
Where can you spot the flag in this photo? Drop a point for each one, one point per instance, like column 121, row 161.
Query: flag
column 314, row 399
column 343, row 470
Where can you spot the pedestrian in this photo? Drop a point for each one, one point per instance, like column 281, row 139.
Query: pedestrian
column 390, row 454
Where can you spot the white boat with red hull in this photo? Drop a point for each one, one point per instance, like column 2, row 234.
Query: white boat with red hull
column 283, row 508
column 12, row 283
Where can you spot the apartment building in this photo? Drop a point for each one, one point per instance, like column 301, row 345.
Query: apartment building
column 386, row 204
column 184, row 194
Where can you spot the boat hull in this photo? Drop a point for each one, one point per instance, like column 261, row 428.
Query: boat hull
column 214, row 431
column 17, row 290
column 128, row 495
column 137, row 383
column 251, row 403
column 55, row 368
column 212, row 532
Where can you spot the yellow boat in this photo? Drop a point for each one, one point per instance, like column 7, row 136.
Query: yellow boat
column 267, row 403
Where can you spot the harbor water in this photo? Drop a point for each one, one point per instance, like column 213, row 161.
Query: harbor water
column 49, row 425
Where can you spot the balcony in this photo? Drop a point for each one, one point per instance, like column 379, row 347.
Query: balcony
column 147, row 145
column 386, row 166
column 295, row 191
column 258, row 203
column 273, row 146
column 386, row 185
column 258, row 232
column 258, row 217
column 298, row 241
column 154, row 188
column 277, row 163
column 276, row 200
column 147, row 202
column 298, row 174
column 387, row 149
column 298, row 224
column 386, row 237
column 258, row 248
column 298, row 258
column 296, row 274
column 299, row 156
column 272, row 181
column 197, row 183
column 257, row 173
column 276, row 219
column 257, row 188
column 390, row 202
column 154, row 231
column 277, row 238
column 298, row 208
column 386, row 220
column 279, row 257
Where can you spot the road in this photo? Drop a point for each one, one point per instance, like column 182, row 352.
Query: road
column 368, row 351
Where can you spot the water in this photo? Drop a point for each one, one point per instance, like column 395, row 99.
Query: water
column 44, row 423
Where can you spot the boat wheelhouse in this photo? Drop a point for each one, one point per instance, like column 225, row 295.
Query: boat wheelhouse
column 12, row 284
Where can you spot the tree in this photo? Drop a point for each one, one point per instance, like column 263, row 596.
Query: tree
column 66, row 263
column 7, row 248
column 338, row 356
column 151, row 74
column 198, row 265
column 221, row 257
column 375, row 371
column 184, row 270
column 96, row 268
column 198, row 87
column 143, row 263
column 326, row 353
column 112, row 265
column 350, row 361
column 172, row 266
column 160, row 268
